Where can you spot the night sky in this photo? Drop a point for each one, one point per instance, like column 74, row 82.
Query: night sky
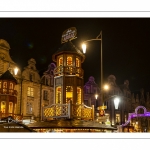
column 126, row 45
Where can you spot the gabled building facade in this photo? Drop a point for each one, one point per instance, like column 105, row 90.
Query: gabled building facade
column 31, row 91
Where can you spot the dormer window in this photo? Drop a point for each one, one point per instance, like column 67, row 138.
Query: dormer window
column 5, row 85
column 11, row 86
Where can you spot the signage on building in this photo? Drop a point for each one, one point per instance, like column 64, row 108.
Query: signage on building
column 69, row 35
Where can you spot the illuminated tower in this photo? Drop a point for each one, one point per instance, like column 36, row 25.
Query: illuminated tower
column 68, row 74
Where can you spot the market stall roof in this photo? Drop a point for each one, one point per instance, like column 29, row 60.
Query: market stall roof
column 70, row 124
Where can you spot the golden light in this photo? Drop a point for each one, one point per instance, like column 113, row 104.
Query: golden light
column 16, row 71
column 96, row 96
column 84, row 48
column 116, row 102
column 106, row 87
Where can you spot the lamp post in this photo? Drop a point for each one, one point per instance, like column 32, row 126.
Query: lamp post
column 101, row 53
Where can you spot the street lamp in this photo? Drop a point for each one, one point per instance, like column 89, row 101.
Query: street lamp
column 96, row 96
column 84, row 51
column 116, row 102
column 16, row 70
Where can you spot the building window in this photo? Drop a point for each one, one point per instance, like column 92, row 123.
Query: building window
column 69, row 93
column 117, row 118
column 47, row 81
column 29, row 108
column 10, row 107
column 3, row 106
column 78, row 95
column 5, row 85
column 30, row 77
column 87, row 89
column 69, row 61
column 58, row 95
column 11, row 86
column 77, row 62
column 30, row 92
column 61, row 61
column 45, row 95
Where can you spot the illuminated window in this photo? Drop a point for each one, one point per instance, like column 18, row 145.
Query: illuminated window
column 10, row 107
column 5, row 85
column 58, row 95
column 3, row 106
column 117, row 118
column 45, row 95
column 11, row 86
column 78, row 95
column 60, row 61
column 77, row 62
column 69, row 93
column 29, row 108
column 69, row 61
column 30, row 92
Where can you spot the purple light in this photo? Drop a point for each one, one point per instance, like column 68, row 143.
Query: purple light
column 133, row 115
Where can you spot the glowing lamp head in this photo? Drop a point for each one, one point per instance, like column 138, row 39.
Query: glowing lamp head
column 106, row 87
column 16, row 71
column 84, row 48
column 116, row 102
column 96, row 96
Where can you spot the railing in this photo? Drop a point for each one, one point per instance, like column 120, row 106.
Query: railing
column 8, row 91
column 78, row 111
column 17, row 117
column 56, row 111
column 68, row 70
column 82, row 111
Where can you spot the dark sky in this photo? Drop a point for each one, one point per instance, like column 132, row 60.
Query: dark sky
column 126, row 45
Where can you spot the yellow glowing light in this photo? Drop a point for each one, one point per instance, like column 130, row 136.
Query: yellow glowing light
column 106, row 87
column 16, row 71
column 96, row 96
column 84, row 48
